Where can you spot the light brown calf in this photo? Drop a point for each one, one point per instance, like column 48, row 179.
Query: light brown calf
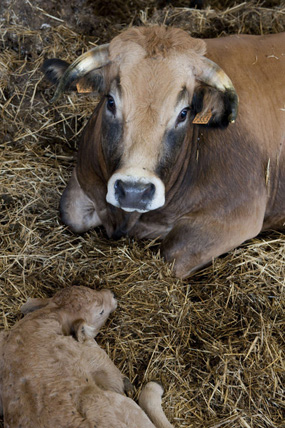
column 54, row 374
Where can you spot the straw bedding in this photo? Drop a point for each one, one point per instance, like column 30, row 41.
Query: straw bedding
column 216, row 340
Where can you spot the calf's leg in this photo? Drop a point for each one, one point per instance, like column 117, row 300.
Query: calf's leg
column 2, row 334
column 150, row 402
column 104, row 372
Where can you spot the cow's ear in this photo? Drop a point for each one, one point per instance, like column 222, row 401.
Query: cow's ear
column 212, row 107
column 54, row 69
column 90, row 82
column 32, row 304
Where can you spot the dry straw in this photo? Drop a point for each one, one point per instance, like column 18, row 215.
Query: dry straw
column 216, row 340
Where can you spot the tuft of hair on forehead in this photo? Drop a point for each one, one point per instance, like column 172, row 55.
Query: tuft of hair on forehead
column 158, row 41
column 76, row 297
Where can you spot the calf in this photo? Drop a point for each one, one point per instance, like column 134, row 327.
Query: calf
column 54, row 374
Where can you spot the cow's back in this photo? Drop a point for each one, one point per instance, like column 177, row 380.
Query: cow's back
column 256, row 65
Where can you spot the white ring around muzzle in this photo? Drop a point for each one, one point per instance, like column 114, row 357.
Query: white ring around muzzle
column 139, row 177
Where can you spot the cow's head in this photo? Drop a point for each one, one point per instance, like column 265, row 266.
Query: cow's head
column 154, row 80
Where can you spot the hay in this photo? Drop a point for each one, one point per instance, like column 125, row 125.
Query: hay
column 245, row 17
column 216, row 340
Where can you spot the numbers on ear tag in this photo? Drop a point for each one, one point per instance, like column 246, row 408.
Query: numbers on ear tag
column 202, row 118
column 81, row 89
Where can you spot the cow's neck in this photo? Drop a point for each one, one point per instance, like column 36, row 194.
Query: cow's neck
column 187, row 156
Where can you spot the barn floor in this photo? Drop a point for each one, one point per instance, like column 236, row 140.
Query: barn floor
column 216, row 341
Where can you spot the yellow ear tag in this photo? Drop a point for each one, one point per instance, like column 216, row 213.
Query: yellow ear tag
column 81, row 89
column 202, row 118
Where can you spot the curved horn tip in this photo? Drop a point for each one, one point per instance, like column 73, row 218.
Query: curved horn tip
column 55, row 97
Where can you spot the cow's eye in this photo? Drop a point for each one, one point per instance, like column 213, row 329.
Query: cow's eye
column 182, row 115
column 111, row 105
column 101, row 313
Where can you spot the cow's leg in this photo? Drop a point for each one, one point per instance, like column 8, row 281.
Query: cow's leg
column 195, row 241
column 76, row 208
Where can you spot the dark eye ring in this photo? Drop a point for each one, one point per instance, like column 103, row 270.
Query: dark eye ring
column 111, row 105
column 182, row 115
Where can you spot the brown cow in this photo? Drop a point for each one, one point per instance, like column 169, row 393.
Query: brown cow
column 150, row 166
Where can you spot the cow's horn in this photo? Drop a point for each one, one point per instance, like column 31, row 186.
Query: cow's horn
column 214, row 76
column 95, row 58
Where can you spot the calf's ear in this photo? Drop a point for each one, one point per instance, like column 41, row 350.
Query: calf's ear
column 81, row 331
column 32, row 304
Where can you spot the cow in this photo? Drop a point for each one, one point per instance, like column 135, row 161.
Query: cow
column 54, row 374
column 186, row 143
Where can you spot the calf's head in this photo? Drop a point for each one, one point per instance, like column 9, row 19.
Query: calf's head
column 154, row 80
column 80, row 309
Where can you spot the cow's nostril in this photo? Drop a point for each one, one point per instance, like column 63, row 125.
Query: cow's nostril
column 149, row 191
column 119, row 189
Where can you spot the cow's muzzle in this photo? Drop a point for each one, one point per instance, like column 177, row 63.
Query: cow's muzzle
column 139, row 191
column 134, row 195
